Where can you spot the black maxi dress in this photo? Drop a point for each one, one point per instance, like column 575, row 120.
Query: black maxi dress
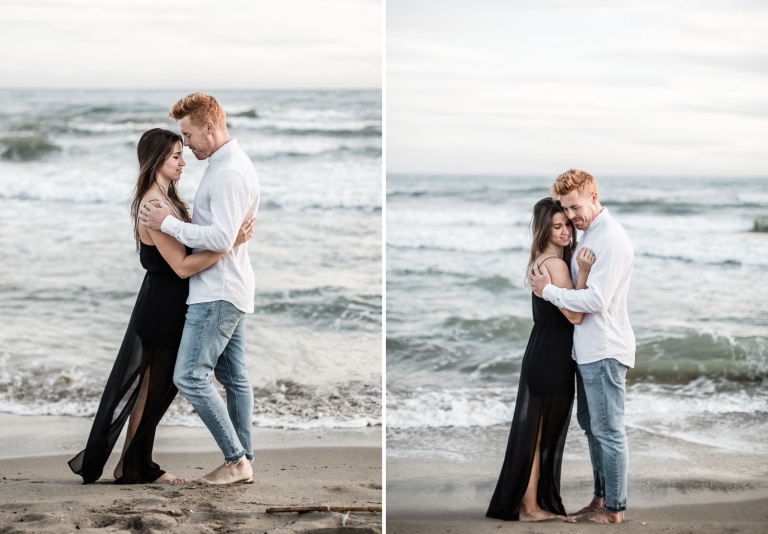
column 151, row 342
column 544, row 397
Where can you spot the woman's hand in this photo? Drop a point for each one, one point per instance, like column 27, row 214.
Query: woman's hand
column 246, row 231
column 585, row 259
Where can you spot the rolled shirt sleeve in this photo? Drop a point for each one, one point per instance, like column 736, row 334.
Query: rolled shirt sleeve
column 229, row 204
column 603, row 280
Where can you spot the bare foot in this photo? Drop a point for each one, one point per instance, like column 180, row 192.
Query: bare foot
column 240, row 471
column 595, row 506
column 539, row 515
column 118, row 470
column 606, row 517
column 168, row 478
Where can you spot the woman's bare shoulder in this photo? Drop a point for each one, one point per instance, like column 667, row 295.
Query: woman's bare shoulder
column 550, row 261
column 152, row 196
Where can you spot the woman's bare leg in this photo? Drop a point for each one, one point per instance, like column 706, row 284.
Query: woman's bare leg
column 529, row 507
column 133, row 424
column 134, row 420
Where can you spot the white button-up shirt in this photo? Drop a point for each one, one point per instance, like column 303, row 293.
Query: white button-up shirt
column 228, row 193
column 605, row 331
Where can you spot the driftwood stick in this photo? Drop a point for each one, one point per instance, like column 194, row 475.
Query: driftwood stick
column 323, row 508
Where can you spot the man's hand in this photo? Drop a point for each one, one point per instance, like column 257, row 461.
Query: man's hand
column 539, row 278
column 152, row 215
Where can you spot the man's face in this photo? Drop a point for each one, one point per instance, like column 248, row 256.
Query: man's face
column 580, row 209
column 197, row 138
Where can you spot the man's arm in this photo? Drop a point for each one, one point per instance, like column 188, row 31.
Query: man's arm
column 603, row 279
column 229, row 203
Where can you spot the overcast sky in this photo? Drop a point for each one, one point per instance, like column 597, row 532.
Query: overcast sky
column 650, row 87
column 271, row 44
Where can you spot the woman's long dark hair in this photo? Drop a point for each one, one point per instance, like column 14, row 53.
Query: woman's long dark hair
column 540, row 226
column 155, row 146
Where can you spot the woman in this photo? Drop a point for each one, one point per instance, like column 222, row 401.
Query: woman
column 147, row 355
column 529, row 485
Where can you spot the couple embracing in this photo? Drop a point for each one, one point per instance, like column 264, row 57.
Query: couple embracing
column 581, row 327
column 188, row 317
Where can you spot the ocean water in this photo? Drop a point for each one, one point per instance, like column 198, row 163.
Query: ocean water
column 459, row 316
column 69, row 274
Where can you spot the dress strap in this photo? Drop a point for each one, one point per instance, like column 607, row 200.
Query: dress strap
column 545, row 259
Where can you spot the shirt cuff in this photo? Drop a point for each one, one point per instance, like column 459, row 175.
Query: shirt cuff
column 550, row 292
column 171, row 225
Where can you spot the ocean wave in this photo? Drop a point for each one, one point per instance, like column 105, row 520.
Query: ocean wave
column 324, row 307
column 119, row 126
column 494, row 283
column 283, row 404
column 473, row 247
column 341, row 151
column 694, row 355
column 672, row 207
column 26, row 148
column 684, row 259
column 302, row 127
column 761, row 224
column 494, row 405
column 504, row 327
column 66, row 189
column 250, row 113
column 449, row 408
column 492, row 195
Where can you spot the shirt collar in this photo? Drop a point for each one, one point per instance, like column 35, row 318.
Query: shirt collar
column 598, row 220
column 223, row 150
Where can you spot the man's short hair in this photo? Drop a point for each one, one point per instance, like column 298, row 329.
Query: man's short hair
column 572, row 179
column 200, row 108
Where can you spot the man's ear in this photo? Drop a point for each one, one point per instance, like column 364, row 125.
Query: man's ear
column 209, row 127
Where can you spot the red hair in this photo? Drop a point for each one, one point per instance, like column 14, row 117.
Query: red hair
column 200, row 108
column 581, row 181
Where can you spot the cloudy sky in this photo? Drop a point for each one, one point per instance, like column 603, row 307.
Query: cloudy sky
column 180, row 43
column 633, row 88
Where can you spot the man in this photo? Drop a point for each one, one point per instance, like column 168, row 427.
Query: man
column 220, row 296
column 603, row 344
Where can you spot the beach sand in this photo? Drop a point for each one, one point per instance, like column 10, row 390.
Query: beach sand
column 743, row 517
column 674, row 486
column 291, row 468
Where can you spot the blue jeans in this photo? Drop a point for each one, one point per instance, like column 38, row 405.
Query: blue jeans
column 214, row 340
column 600, row 392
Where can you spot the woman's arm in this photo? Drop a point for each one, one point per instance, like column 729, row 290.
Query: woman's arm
column 558, row 271
column 186, row 265
column 176, row 255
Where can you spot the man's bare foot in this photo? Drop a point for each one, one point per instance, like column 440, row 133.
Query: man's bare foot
column 240, row 471
column 539, row 515
column 595, row 506
column 606, row 517
column 168, row 478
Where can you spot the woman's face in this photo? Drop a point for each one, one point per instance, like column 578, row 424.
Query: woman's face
column 171, row 169
column 560, row 232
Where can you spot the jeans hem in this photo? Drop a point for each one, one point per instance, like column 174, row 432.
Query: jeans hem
column 616, row 510
column 236, row 457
